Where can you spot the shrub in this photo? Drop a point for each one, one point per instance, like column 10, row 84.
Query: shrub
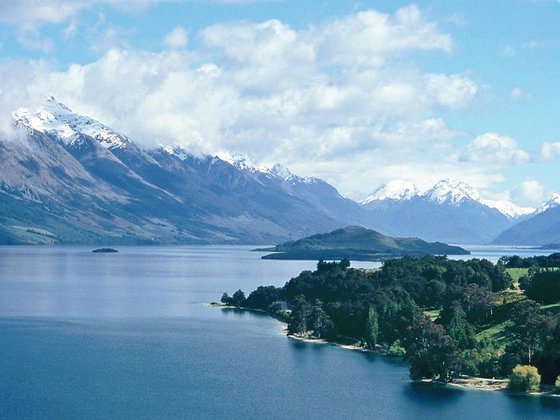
column 396, row 350
column 524, row 378
column 557, row 385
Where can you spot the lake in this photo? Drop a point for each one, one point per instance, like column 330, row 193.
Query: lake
column 128, row 335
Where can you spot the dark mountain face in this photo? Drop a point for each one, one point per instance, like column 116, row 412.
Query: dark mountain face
column 542, row 229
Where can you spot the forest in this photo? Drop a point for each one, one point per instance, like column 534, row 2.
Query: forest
column 447, row 318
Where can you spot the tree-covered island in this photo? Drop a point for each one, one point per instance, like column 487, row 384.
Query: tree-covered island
column 447, row 318
column 359, row 244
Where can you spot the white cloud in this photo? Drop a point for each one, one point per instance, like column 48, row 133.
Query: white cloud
column 453, row 91
column 29, row 12
column 550, row 151
column 529, row 192
column 177, row 38
column 333, row 100
column 494, row 149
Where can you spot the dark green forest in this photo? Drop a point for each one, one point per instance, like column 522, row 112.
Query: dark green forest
column 446, row 317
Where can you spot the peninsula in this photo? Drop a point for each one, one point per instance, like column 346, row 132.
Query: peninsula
column 450, row 319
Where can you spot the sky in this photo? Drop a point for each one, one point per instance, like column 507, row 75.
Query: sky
column 357, row 93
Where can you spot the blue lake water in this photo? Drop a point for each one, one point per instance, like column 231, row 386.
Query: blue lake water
column 127, row 335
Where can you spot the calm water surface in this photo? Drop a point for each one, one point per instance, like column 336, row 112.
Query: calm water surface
column 127, row 335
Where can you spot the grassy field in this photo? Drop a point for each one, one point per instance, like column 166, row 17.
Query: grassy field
column 516, row 273
column 432, row 314
column 496, row 332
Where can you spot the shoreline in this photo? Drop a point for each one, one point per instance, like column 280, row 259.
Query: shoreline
column 471, row 383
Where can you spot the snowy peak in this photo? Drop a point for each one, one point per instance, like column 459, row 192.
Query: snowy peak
column 451, row 192
column 394, row 190
column 508, row 209
column 55, row 118
column 243, row 163
column 277, row 171
column 176, row 151
column 553, row 201
column 281, row 171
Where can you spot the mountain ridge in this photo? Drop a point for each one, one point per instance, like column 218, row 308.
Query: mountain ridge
column 77, row 180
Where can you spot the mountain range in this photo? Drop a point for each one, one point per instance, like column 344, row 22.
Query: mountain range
column 67, row 178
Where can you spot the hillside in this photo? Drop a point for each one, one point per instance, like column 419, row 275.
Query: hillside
column 357, row 243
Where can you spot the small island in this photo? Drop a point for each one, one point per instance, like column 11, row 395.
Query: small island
column 359, row 244
column 467, row 323
column 104, row 251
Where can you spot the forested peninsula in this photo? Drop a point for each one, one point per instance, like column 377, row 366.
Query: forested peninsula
column 447, row 318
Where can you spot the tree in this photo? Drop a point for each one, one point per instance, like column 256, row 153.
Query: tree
column 262, row 297
column 226, row 299
column 524, row 378
column 557, row 385
column 396, row 350
column 320, row 322
column 544, row 286
column 238, row 298
column 532, row 328
column 454, row 319
column 430, row 352
column 298, row 322
column 372, row 328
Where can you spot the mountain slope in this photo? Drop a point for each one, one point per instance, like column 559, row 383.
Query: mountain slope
column 542, row 229
column 81, row 181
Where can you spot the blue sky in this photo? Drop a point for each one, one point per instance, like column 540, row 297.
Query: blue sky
column 356, row 92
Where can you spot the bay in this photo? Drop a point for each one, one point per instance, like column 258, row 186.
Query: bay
column 128, row 335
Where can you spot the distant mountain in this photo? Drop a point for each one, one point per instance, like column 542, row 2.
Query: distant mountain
column 541, row 229
column 450, row 211
column 72, row 179
column 357, row 243
column 395, row 190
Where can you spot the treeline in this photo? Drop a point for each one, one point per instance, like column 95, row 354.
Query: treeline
column 539, row 261
column 388, row 307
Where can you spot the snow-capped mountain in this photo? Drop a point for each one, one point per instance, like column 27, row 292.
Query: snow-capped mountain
column 507, row 208
column 394, row 190
column 451, row 192
column 74, row 179
column 449, row 211
column 57, row 120
column 552, row 202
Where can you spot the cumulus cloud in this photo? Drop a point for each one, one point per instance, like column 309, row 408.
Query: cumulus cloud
column 177, row 38
column 550, row 151
column 529, row 192
column 453, row 91
column 331, row 96
column 494, row 149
